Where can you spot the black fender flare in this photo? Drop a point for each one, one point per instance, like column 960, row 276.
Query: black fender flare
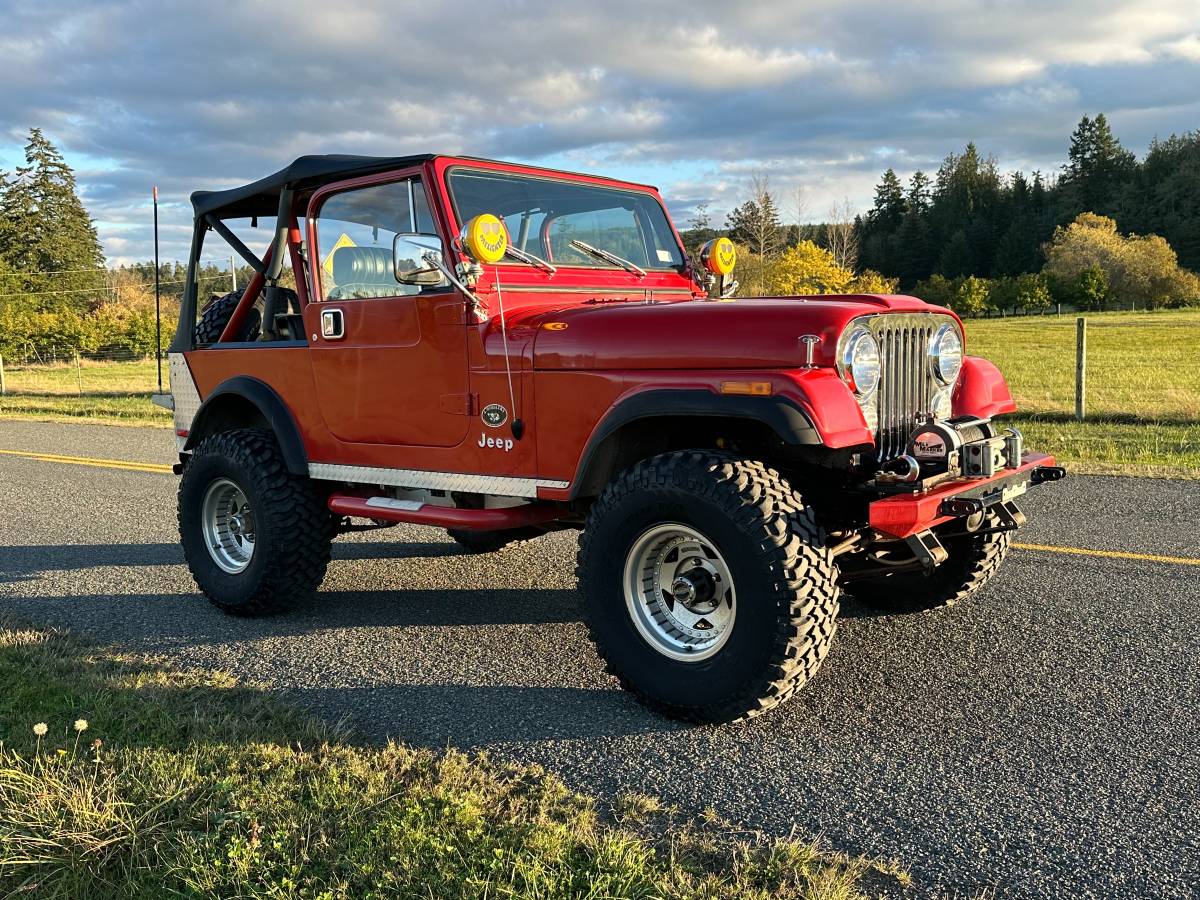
column 270, row 406
column 780, row 414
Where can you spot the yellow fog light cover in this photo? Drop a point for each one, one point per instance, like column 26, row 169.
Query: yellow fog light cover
column 719, row 256
column 486, row 238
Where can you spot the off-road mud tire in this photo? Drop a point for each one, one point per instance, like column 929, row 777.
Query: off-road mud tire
column 293, row 527
column 973, row 560
column 785, row 582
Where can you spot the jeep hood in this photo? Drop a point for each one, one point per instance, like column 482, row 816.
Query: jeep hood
column 699, row 334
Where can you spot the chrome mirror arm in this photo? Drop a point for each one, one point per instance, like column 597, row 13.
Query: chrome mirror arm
column 435, row 261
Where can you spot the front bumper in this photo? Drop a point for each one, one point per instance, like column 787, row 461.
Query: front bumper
column 904, row 515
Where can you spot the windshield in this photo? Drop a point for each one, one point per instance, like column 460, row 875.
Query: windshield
column 544, row 215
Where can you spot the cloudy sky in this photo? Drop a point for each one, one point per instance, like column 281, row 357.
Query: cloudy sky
column 694, row 97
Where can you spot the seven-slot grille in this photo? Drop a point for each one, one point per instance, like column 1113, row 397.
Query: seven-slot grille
column 906, row 380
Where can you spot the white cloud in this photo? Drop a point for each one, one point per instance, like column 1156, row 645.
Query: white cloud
column 1185, row 48
column 692, row 95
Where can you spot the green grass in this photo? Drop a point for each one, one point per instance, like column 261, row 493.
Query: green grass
column 186, row 784
column 105, row 392
column 1142, row 365
column 1143, row 397
column 137, row 377
column 1143, row 387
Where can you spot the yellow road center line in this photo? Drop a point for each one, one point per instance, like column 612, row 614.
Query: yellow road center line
column 1112, row 554
column 1045, row 548
column 90, row 461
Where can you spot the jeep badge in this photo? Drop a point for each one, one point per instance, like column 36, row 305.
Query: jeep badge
column 494, row 415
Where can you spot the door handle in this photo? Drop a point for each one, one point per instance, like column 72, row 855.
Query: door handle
column 333, row 324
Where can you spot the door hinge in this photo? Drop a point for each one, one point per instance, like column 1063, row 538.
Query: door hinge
column 459, row 404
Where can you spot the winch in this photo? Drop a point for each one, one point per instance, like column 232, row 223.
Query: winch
column 965, row 446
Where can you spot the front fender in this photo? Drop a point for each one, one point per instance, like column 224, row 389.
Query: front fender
column 829, row 404
column 981, row 390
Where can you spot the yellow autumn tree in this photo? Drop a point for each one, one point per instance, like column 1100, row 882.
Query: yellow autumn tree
column 868, row 281
column 808, row 269
column 1142, row 271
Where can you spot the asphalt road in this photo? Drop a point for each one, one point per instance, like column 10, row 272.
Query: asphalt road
column 1041, row 741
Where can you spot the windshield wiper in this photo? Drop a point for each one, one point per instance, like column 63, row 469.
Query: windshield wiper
column 527, row 257
column 609, row 258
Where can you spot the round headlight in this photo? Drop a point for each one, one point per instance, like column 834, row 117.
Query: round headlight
column 870, row 413
column 860, row 362
column 943, row 404
column 945, row 352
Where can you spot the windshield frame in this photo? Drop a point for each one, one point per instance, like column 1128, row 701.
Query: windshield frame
column 680, row 268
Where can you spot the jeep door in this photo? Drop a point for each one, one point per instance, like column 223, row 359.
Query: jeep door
column 390, row 360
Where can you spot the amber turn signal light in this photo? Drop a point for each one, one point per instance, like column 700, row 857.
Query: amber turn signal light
column 747, row 388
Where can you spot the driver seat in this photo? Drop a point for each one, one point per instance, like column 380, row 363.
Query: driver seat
column 365, row 272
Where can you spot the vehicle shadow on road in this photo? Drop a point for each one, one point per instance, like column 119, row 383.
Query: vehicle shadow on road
column 475, row 717
column 21, row 562
column 188, row 618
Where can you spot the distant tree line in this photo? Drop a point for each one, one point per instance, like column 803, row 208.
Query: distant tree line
column 1108, row 230
column 56, row 294
column 997, row 241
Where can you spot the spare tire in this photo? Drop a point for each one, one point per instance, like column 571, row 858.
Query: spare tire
column 216, row 315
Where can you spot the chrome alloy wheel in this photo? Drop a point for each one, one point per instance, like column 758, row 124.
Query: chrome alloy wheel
column 679, row 592
column 228, row 524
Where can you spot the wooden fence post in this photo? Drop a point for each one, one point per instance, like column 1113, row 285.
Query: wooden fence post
column 1080, row 367
column 2, row 390
column 78, row 374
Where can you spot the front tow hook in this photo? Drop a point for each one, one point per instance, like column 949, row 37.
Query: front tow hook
column 960, row 506
column 1042, row 474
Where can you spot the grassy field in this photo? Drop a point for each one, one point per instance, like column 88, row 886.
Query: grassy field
column 1143, row 398
column 1143, row 387
column 111, row 392
column 149, row 782
column 1143, row 365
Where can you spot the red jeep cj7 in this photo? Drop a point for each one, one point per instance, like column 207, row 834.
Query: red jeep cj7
column 502, row 351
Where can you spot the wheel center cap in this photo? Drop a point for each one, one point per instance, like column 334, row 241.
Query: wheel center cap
column 696, row 591
column 683, row 591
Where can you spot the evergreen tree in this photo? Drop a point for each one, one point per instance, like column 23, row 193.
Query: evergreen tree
column 915, row 260
column 956, row 258
column 918, row 198
column 1017, row 249
column 966, row 201
column 879, row 234
column 1096, row 169
column 1163, row 197
column 755, row 225
column 44, row 228
column 889, row 203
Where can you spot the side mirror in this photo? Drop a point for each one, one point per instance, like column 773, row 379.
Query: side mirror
column 408, row 259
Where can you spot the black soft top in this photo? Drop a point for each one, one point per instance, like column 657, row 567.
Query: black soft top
column 261, row 198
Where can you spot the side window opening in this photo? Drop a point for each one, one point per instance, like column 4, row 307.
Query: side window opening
column 222, row 276
column 355, row 233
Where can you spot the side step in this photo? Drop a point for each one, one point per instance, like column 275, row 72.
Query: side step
column 388, row 509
